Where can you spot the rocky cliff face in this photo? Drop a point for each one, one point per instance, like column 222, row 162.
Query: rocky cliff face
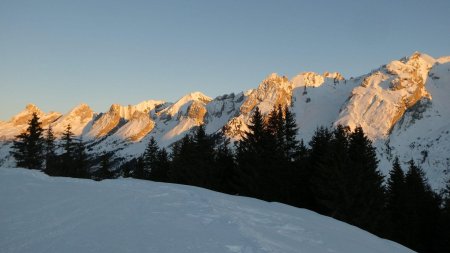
column 137, row 127
column 383, row 96
column 402, row 106
column 118, row 115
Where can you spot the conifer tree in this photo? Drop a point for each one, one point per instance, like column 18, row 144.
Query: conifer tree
column 19, row 150
column 81, row 160
column 226, row 176
column 300, row 177
column 444, row 229
column 51, row 161
column 421, row 211
column 446, row 198
column 366, row 188
column 28, row 147
column 202, row 163
column 181, row 161
column 290, row 135
column 257, row 160
column 395, row 203
column 105, row 166
column 68, row 156
column 330, row 179
column 161, row 168
column 156, row 162
column 150, row 157
column 275, row 127
column 138, row 171
column 320, row 146
column 247, row 155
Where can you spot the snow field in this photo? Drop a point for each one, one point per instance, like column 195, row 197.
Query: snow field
column 50, row 214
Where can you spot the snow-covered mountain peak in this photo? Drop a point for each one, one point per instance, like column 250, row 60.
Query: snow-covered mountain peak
column 81, row 110
column 126, row 112
column 182, row 105
column 78, row 118
column 271, row 91
column 384, row 95
column 25, row 115
column 416, row 66
column 32, row 108
column 148, row 105
column 196, row 96
column 19, row 122
column 443, row 59
column 333, row 75
column 275, row 80
column 309, row 79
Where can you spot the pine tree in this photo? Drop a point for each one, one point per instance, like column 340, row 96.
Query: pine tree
column 150, row 157
column 28, row 147
column 275, row 127
column 68, row 156
column 248, row 153
column 156, row 162
column 202, row 164
column 81, row 160
column 444, row 228
column 320, row 146
column 182, row 152
column 226, row 176
column 366, row 188
column 161, row 168
column 330, row 179
column 19, row 150
column 421, row 211
column 395, row 203
column 105, row 167
column 292, row 147
column 51, row 161
column 446, row 197
column 258, row 160
column 138, row 171
column 300, row 177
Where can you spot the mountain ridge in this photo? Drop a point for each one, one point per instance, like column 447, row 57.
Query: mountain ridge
column 391, row 103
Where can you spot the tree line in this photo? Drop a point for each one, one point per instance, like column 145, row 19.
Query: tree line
column 36, row 148
column 336, row 174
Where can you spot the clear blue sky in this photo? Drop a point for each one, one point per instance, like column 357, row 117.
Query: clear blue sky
column 58, row 54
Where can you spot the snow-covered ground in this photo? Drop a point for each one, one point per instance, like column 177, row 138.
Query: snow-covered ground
column 49, row 214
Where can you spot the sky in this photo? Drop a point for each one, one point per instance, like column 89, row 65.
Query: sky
column 58, row 54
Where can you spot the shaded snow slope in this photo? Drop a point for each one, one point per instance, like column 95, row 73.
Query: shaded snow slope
column 48, row 214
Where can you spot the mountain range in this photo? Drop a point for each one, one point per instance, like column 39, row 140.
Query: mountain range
column 403, row 107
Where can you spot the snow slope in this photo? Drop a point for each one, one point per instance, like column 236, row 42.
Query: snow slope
column 49, row 214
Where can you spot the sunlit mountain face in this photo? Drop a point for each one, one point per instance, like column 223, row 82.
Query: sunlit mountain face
column 402, row 106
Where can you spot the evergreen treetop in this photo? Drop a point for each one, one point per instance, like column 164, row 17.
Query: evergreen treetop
column 28, row 147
